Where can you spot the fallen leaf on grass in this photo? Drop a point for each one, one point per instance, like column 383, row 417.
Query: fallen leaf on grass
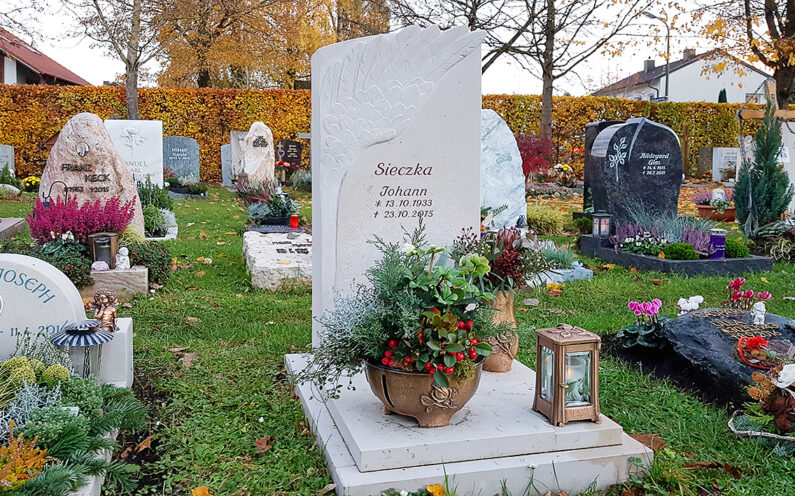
column 177, row 349
column 661, row 255
column 192, row 288
column 651, row 441
column 554, row 285
column 230, row 233
column 554, row 292
column 193, row 319
column 236, row 217
column 764, row 279
column 556, row 310
column 220, row 243
column 214, row 304
column 190, row 224
column 126, row 453
column 609, row 266
column 734, row 471
column 207, row 261
column 657, row 282
column 188, row 359
column 200, row 273
column 263, row 444
column 202, row 234
column 145, row 444
column 327, row 489
column 201, row 491
column 633, row 271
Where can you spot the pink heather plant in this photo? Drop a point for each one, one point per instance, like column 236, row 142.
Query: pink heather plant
column 90, row 218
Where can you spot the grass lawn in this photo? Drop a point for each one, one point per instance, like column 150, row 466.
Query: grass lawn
column 206, row 419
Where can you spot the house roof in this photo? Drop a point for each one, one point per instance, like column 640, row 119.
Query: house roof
column 643, row 78
column 33, row 58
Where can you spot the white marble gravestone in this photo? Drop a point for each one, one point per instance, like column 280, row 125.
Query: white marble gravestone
column 35, row 297
column 7, row 158
column 85, row 165
column 501, row 178
column 396, row 118
column 237, row 141
column 259, row 161
column 226, row 165
column 724, row 158
column 140, row 144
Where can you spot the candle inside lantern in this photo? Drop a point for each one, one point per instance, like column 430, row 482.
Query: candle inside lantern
column 577, row 378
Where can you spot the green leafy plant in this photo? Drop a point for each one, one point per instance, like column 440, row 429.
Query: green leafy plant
column 6, row 177
column 680, row 251
column 735, row 249
column 153, row 256
column 278, row 206
column 544, row 221
column 197, row 188
column 154, row 222
column 75, row 264
column 152, row 194
column 559, row 259
column 763, row 191
column 583, row 225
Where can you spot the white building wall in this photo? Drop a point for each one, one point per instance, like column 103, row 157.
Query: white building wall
column 698, row 83
column 9, row 71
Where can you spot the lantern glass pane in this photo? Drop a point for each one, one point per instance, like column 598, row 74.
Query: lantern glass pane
column 595, row 226
column 578, row 378
column 86, row 360
column 605, row 227
column 547, row 372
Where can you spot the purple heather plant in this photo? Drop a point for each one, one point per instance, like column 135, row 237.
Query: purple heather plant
column 698, row 238
column 702, row 197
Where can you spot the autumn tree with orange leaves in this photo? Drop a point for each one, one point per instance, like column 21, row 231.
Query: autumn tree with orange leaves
column 756, row 31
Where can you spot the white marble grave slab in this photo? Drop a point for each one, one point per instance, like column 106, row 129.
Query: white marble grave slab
column 396, row 120
column 140, row 144
column 35, row 297
column 274, row 258
column 572, row 470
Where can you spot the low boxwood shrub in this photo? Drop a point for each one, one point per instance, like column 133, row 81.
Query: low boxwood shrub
column 544, row 220
column 584, row 225
column 735, row 249
column 680, row 251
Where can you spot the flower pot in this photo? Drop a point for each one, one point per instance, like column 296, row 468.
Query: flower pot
column 710, row 212
column 417, row 395
column 503, row 304
column 503, row 350
column 276, row 221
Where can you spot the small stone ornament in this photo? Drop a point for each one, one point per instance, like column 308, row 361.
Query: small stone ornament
column 104, row 307
column 100, row 266
column 123, row 259
column 718, row 195
column 759, row 313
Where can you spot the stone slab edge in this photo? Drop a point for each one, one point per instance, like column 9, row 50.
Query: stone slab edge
column 123, row 283
column 171, row 234
column 594, row 247
column 11, row 226
column 573, row 470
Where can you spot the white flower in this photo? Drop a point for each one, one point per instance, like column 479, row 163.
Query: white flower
column 261, row 420
column 409, row 249
column 697, row 299
column 786, row 377
column 67, row 236
column 404, row 493
column 681, row 303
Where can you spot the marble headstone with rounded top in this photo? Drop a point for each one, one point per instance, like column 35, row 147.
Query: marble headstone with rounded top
column 140, row 144
column 396, row 139
column 85, row 165
column 259, row 161
column 35, row 298
column 501, row 177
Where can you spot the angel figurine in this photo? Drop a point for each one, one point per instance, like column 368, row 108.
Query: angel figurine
column 104, row 307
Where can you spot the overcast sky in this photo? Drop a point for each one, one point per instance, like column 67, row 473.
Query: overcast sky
column 505, row 76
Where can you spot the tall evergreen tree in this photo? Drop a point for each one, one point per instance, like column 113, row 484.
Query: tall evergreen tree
column 763, row 191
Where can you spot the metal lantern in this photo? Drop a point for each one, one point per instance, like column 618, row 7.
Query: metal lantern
column 83, row 341
column 601, row 224
column 104, row 247
column 567, row 374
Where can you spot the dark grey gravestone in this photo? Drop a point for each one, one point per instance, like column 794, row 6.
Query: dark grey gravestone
column 636, row 165
column 289, row 151
column 710, row 351
column 226, row 165
column 704, row 161
column 181, row 156
column 592, row 130
column 7, row 158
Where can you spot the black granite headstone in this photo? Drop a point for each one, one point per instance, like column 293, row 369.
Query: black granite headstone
column 181, row 156
column 636, row 166
column 592, row 130
column 289, row 151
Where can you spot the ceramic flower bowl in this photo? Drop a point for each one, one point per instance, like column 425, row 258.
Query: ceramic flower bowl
column 417, row 395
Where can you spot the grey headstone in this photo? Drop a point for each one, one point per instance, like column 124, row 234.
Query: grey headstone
column 7, row 158
column 501, row 177
column 705, row 162
column 636, row 166
column 181, row 156
column 592, row 130
column 226, row 165
column 237, row 140
column 724, row 158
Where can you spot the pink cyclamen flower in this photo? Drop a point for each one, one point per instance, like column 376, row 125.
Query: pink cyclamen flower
column 736, row 284
column 633, row 305
column 736, row 295
column 647, row 306
column 764, row 296
column 749, row 293
column 657, row 303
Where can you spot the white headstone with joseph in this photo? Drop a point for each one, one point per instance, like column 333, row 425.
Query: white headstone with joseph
column 397, row 121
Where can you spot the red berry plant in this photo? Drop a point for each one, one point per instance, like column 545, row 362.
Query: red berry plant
column 62, row 217
column 418, row 313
